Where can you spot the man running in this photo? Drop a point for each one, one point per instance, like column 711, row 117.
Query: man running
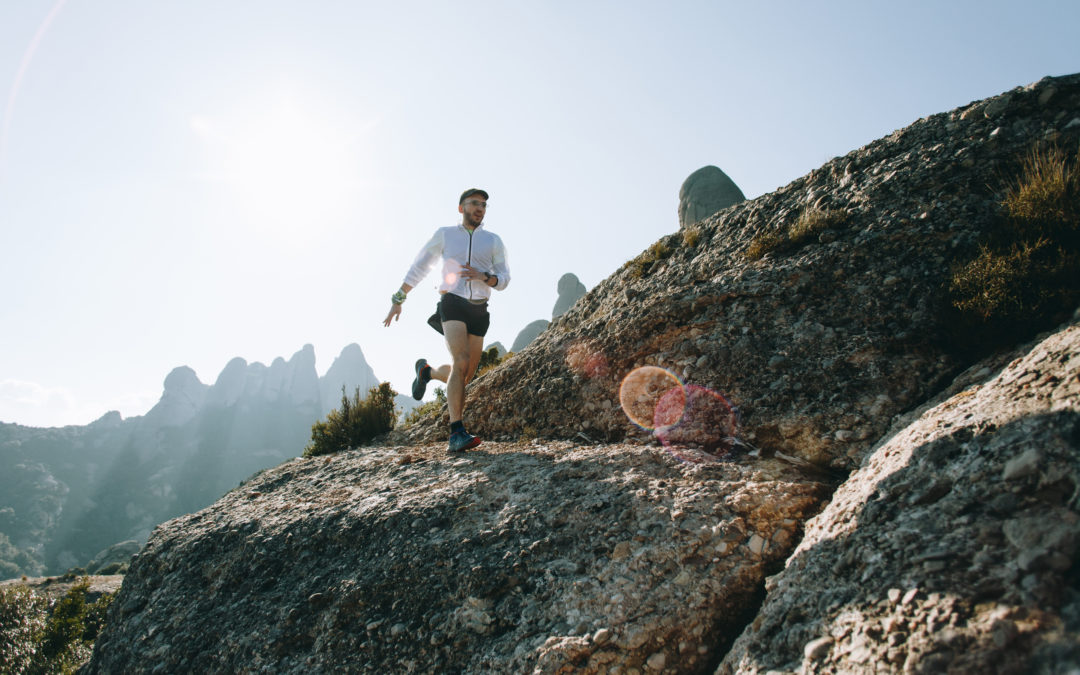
column 474, row 262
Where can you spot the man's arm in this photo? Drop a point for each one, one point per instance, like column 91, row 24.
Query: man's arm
column 500, row 268
column 395, row 304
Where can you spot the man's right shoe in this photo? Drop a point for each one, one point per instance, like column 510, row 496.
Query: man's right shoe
column 423, row 376
column 462, row 440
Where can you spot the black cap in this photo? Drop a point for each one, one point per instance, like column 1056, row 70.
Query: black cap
column 469, row 193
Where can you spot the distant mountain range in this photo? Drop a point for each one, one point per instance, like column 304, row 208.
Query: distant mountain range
column 68, row 493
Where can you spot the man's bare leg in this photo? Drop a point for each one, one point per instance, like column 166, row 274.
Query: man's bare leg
column 465, row 353
column 457, row 341
column 476, row 350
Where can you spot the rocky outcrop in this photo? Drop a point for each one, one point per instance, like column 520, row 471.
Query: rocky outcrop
column 818, row 344
column 953, row 549
column 570, row 291
column 529, row 333
column 547, row 556
column 705, row 192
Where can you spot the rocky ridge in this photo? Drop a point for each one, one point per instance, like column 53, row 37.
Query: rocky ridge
column 820, row 346
column 951, row 544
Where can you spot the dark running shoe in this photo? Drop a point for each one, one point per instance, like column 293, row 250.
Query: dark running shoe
column 423, row 376
column 463, row 440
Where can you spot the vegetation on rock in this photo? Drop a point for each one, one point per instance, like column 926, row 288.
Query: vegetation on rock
column 355, row 423
column 39, row 635
column 641, row 265
column 429, row 409
column 1028, row 270
column 810, row 224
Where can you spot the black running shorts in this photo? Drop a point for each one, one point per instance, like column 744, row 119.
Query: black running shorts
column 456, row 308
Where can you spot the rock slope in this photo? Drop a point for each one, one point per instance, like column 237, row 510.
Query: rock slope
column 517, row 557
column 821, row 344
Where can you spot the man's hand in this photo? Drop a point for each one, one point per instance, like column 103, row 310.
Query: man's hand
column 470, row 273
column 395, row 314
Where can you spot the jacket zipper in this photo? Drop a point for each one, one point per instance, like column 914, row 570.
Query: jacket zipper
column 469, row 282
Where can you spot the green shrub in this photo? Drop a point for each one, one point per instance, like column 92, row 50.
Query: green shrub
column 1027, row 274
column 42, row 636
column 355, row 423
column 429, row 409
column 23, row 615
column 489, row 360
column 62, row 641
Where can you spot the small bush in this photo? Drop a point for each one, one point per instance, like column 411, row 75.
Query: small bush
column 355, row 423
column 1027, row 274
column 691, row 236
column 429, row 409
column 762, row 244
column 813, row 222
column 1045, row 200
column 62, row 641
column 809, row 225
column 23, row 615
column 640, row 266
column 490, row 360
column 42, row 636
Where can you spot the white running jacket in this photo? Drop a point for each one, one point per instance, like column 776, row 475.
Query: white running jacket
column 457, row 246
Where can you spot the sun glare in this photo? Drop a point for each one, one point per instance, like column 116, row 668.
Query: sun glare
column 286, row 167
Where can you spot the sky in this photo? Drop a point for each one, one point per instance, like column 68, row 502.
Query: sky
column 183, row 183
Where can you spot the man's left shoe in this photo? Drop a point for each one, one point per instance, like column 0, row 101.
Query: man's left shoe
column 423, row 376
column 462, row 440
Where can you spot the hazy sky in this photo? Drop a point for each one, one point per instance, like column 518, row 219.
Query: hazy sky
column 186, row 182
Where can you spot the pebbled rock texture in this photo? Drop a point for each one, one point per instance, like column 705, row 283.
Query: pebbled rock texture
column 953, row 549
column 521, row 557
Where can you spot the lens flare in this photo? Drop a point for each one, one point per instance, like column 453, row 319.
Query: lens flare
column 585, row 359
column 641, row 392
column 705, row 429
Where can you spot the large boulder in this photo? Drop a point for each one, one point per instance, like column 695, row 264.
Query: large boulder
column 518, row 558
column 705, row 192
column 954, row 549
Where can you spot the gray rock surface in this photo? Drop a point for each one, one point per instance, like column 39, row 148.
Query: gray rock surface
column 526, row 557
column 953, row 549
column 705, row 192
